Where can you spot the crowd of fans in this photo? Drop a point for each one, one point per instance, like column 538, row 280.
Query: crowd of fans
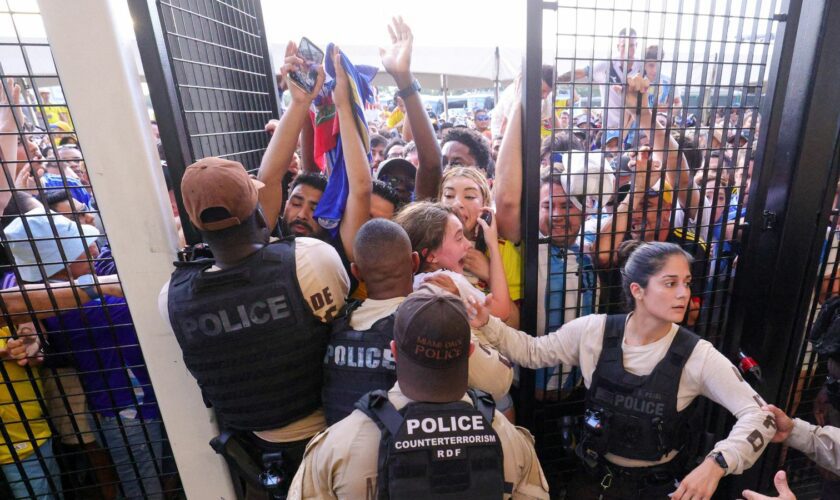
column 642, row 168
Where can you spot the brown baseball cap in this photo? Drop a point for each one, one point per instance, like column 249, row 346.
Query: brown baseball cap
column 219, row 183
column 432, row 334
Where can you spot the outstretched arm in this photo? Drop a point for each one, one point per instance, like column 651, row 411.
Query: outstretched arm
column 397, row 62
column 357, row 211
column 283, row 142
column 41, row 297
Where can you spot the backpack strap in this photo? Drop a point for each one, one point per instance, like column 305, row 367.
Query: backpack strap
column 681, row 348
column 375, row 405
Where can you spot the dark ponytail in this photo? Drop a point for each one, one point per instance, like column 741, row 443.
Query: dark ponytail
column 639, row 261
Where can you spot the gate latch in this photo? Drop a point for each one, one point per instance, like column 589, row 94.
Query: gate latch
column 769, row 220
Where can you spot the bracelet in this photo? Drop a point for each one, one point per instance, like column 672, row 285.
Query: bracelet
column 411, row 89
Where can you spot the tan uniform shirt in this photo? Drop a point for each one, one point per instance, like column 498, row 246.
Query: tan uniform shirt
column 341, row 462
column 324, row 284
column 489, row 371
column 820, row 444
column 706, row 373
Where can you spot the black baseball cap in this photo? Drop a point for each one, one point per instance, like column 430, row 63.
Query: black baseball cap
column 432, row 335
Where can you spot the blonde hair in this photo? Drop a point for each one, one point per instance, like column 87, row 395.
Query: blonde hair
column 470, row 173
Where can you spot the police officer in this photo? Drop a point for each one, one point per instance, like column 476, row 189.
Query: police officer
column 359, row 358
column 643, row 373
column 428, row 436
column 252, row 324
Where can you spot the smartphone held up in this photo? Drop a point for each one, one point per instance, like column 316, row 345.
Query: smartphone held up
column 307, row 75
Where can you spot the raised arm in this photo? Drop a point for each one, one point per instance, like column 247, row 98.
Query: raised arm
column 665, row 148
column 499, row 299
column 283, row 142
column 357, row 211
column 397, row 62
column 9, row 120
column 614, row 229
column 507, row 188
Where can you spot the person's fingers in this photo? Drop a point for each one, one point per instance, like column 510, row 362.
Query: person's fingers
column 751, row 495
column 391, row 31
column 780, row 480
column 291, row 48
column 320, row 80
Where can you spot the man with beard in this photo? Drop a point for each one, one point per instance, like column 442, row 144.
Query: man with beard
column 298, row 215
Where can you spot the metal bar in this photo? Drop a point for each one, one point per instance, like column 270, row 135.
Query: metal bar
column 154, row 53
column 530, row 192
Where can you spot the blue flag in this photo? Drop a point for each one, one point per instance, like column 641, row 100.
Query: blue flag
column 333, row 202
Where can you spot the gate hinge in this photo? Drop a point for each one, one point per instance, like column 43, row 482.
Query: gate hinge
column 782, row 17
column 769, row 220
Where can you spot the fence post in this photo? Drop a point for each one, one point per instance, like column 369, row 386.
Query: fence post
column 94, row 52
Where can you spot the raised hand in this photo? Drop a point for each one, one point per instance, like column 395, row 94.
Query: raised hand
column 341, row 92
column 637, row 85
column 295, row 63
column 397, row 58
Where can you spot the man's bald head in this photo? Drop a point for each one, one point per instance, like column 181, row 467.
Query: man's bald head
column 384, row 259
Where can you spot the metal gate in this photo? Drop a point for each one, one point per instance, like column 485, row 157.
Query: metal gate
column 720, row 81
column 77, row 409
column 210, row 79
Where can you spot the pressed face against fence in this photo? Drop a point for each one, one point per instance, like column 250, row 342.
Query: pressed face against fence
column 559, row 218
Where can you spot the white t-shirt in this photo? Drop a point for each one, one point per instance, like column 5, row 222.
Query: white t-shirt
column 601, row 74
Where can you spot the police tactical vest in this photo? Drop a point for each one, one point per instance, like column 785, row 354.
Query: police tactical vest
column 356, row 363
column 249, row 338
column 440, row 451
column 638, row 413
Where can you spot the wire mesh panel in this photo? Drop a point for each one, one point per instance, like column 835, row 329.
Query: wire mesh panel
column 649, row 134
column 210, row 79
column 809, row 397
column 78, row 414
column 220, row 66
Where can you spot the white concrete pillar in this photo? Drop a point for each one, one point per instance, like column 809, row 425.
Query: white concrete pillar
column 94, row 52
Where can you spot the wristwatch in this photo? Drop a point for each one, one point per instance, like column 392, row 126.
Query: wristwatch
column 411, row 89
column 718, row 458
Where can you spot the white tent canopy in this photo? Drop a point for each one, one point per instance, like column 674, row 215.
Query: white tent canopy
column 464, row 67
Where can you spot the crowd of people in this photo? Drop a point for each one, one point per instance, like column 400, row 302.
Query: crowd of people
column 357, row 328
